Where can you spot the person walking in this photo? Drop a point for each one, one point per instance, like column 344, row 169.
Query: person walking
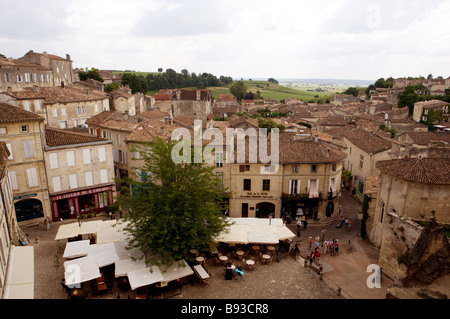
column 349, row 224
column 346, row 222
column 325, row 245
column 310, row 242
column 312, row 255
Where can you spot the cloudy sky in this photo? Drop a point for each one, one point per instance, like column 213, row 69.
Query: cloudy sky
column 340, row 39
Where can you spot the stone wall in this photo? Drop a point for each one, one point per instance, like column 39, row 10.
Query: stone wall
column 398, row 239
column 414, row 254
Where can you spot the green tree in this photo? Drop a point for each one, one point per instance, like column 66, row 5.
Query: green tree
column 91, row 74
column 269, row 124
column 272, row 80
column 352, row 91
column 174, row 207
column 433, row 117
column 238, row 90
column 407, row 98
column 111, row 87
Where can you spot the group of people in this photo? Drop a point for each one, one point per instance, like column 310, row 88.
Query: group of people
column 328, row 246
column 345, row 221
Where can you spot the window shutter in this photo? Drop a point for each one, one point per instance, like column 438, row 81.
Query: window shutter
column 298, row 186
column 70, row 158
column 290, row 186
column 13, row 178
column 10, row 151
column 87, row 156
column 104, row 176
column 53, row 160
column 28, row 149
column 56, row 180
column 102, row 154
column 32, row 177
column 89, row 178
column 73, row 181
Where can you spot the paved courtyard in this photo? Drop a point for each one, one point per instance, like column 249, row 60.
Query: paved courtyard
column 287, row 279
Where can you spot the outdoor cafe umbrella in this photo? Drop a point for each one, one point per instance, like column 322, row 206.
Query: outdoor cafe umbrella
column 81, row 270
column 76, row 249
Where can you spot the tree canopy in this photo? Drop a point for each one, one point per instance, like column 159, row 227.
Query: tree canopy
column 174, row 207
column 91, row 74
column 239, row 90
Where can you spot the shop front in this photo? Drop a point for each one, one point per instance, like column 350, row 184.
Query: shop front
column 85, row 201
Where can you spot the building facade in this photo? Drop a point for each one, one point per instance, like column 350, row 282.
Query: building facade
column 23, row 133
column 80, row 173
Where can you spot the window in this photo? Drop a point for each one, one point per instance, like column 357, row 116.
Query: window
column 7, row 78
column 294, row 186
column 219, row 159
column 19, row 78
column 73, row 181
column 333, row 167
column 55, row 113
column 294, row 168
column 53, row 160
column 63, row 124
column 244, row 168
column 104, row 176
column 247, row 184
column 37, row 105
column 87, row 156
column 313, row 188
column 24, row 128
column 96, row 108
column 32, row 177
column 70, row 158
column 8, row 145
column 28, row 149
column 104, row 134
column 26, row 105
column 56, row 181
column 266, row 185
column 102, row 154
column 3, row 130
column 27, row 77
column 332, row 188
column 220, row 176
column 120, row 156
column 269, row 168
column 119, row 139
column 314, row 168
column 89, row 178
column 13, row 178
column 63, row 111
column 361, row 161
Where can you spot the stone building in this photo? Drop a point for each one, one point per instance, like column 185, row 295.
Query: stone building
column 23, row 133
column 62, row 107
column 308, row 177
column 363, row 150
column 62, row 69
column 80, row 173
column 411, row 188
column 16, row 75
column 422, row 108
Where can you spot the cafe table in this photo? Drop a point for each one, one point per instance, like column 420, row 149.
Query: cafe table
column 240, row 253
column 200, row 260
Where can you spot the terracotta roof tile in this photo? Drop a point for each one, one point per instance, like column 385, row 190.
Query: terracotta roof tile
column 422, row 170
column 424, row 138
column 53, row 95
column 58, row 137
column 12, row 114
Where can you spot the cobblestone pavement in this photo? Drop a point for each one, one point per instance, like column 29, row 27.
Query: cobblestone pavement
column 287, row 279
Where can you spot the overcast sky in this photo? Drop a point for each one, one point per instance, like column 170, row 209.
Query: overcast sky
column 340, row 39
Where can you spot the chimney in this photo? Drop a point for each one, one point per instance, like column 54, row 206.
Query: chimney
column 126, row 115
column 45, row 53
column 68, row 57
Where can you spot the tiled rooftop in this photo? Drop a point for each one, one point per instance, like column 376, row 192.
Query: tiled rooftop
column 13, row 114
column 58, row 137
column 422, row 170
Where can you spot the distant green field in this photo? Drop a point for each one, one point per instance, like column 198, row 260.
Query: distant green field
column 270, row 90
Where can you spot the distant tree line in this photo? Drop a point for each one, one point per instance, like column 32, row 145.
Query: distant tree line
column 172, row 80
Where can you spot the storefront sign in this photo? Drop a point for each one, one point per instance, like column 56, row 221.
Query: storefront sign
column 81, row 193
column 256, row 195
column 24, row 196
